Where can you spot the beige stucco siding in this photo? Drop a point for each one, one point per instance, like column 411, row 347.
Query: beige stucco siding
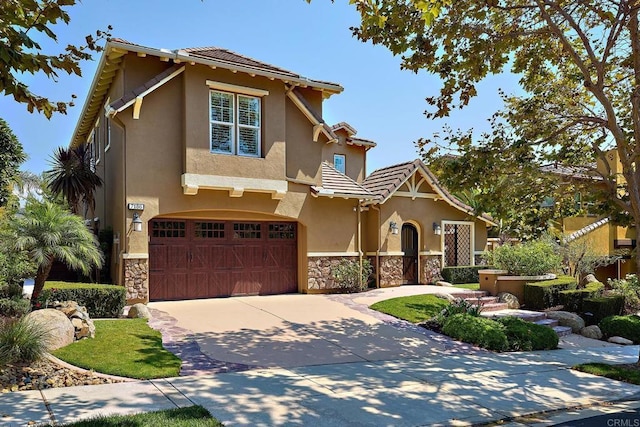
column 354, row 158
column 199, row 159
column 303, row 155
column 422, row 213
column 332, row 224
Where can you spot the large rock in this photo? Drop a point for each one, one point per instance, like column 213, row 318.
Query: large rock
column 564, row 318
column 79, row 317
column 60, row 332
column 592, row 332
column 510, row 299
column 140, row 311
column 620, row 340
column 445, row 296
column 443, row 283
column 589, row 278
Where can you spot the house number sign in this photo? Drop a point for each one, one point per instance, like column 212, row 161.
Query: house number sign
column 135, row 206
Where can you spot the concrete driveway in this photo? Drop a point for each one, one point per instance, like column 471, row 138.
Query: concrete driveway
column 300, row 330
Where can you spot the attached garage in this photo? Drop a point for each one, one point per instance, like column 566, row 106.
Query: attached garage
column 207, row 258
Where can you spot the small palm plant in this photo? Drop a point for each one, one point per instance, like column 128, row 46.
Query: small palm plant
column 49, row 232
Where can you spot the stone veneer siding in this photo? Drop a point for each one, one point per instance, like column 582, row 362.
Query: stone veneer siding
column 431, row 269
column 319, row 272
column 136, row 280
column 391, row 273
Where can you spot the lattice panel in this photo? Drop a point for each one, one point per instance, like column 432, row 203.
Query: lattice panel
column 457, row 244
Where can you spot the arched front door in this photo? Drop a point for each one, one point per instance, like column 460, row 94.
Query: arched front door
column 410, row 258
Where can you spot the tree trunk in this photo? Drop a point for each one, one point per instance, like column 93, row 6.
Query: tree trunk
column 38, row 285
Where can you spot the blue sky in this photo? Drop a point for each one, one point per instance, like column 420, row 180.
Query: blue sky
column 382, row 102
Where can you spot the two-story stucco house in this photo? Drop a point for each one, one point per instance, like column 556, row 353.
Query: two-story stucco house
column 222, row 178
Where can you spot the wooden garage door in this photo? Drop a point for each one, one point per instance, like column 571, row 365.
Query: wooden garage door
column 205, row 258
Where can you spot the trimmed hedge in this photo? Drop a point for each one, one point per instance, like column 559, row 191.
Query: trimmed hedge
column 602, row 307
column 527, row 336
column 573, row 299
column 462, row 274
column 481, row 331
column 101, row 301
column 542, row 295
column 622, row 326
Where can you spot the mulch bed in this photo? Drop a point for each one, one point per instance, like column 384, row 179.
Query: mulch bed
column 44, row 374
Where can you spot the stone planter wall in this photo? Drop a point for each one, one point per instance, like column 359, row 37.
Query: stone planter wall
column 431, row 269
column 319, row 272
column 136, row 280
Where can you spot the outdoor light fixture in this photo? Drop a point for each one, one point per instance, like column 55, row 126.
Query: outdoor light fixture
column 393, row 227
column 137, row 222
column 437, row 230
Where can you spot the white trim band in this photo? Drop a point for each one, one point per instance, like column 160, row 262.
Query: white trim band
column 237, row 89
column 321, row 254
column 135, row 256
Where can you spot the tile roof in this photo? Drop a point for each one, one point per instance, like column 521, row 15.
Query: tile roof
column 130, row 96
column 586, row 230
column 338, row 184
column 386, row 181
column 578, row 172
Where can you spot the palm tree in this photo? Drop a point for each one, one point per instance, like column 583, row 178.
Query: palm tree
column 73, row 177
column 49, row 232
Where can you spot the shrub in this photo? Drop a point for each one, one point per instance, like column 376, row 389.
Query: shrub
column 14, row 307
column 572, row 299
column 21, row 341
column 461, row 306
column 629, row 288
column 526, row 259
column 622, row 326
column 527, row 336
column 465, row 274
column 596, row 309
column 480, row 331
column 347, row 273
column 101, row 301
column 541, row 295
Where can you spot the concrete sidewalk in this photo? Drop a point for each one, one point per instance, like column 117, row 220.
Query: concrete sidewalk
column 456, row 389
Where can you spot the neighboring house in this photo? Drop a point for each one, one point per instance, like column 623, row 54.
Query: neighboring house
column 602, row 236
column 222, row 178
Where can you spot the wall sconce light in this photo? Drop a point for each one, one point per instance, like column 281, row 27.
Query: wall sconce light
column 437, row 230
column 137, row 222
column 393, row 227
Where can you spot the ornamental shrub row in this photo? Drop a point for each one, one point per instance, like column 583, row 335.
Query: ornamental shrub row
column 572, row 300
column 505, row 334
column 462, row 274
column 596, row 309
column 622, row 326
column 101, row 301
column 541, row 295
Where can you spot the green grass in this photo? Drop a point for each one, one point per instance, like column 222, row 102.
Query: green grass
column 192, row 416
column 124, row 347
column 627, row 373
column 472, row 286
column 413, row 308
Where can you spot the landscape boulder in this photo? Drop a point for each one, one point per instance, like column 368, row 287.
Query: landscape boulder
column 443, row 283
column 79, row 317
column 620, row 340
column 139, row 311
column 592, row 332
column 59, row 330
column 589, row 278
column 510, row 299
column 445, row 296
column 565, row 318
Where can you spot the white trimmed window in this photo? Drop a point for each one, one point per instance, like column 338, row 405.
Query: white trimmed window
column 339, row 163
column 235, row 123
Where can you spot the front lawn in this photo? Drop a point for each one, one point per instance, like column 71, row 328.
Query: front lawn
column 628, row 373
column 124, row 347
column 471, row 286
column 192, row 416
column 414, row 308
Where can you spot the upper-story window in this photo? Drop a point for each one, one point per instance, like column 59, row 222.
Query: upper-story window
column 235, row 123
column 339, row 163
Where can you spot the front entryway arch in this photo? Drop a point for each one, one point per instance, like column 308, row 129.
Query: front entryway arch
column 410, row 249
